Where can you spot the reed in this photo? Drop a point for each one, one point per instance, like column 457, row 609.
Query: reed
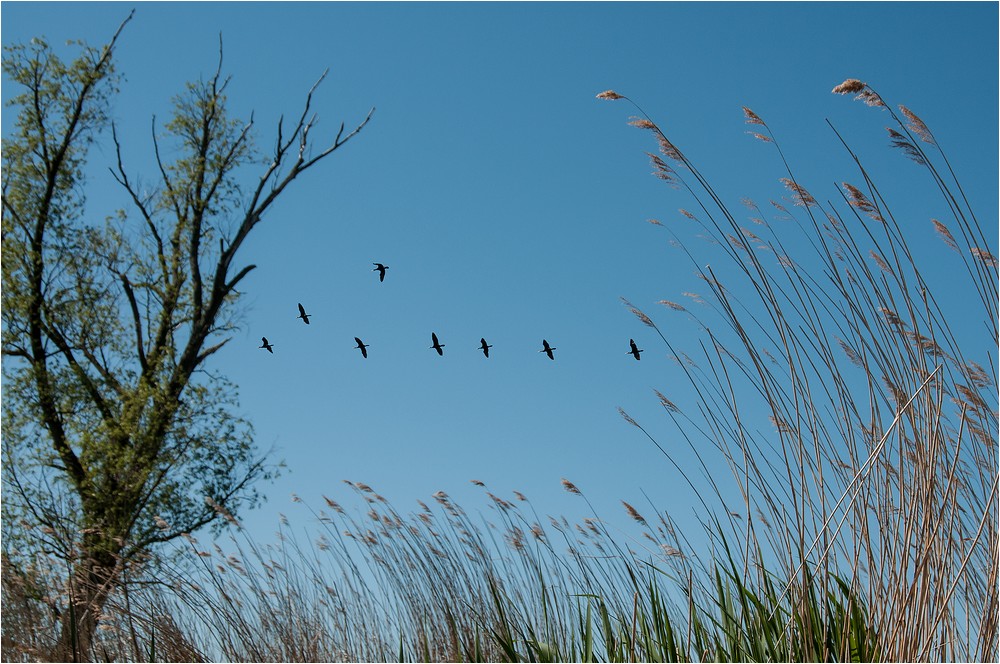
column 880, row 466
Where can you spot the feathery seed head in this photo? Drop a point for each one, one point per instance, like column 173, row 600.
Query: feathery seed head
column 870, row 97
column 632, row 512
column 917, row 126
column 849, row 87
column 641, row 123
column 569, row 486
column 880, row 262
column 851, row 354
column 753, row 118
column 892, row 318
column 221, row 511
column 985, row 256
column 667, row 403
column 977, row 375
column 627, row 417
column 799, row 194
column 610, row 95
column 900, row 141
column 864, row 92
column 669, row 149
column 779, row 424
column 945, row 234
column 660, row 168
column 858, row 200
column 638, row 314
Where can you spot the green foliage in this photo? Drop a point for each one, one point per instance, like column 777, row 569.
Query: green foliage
column 738, row 620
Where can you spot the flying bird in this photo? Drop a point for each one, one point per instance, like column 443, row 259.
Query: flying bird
column 362, row 346
column 439, row 347
column 303, row 315
column 266, row 346
column 485, row 346
column 381, row 270
column 635, row 349
column 547, row 349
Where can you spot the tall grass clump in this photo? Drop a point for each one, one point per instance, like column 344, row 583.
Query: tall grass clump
column 878, row 472
column 839, row 405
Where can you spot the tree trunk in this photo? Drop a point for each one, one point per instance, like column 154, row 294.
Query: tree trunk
column 92, row 583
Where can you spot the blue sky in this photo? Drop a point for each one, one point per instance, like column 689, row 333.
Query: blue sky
column 510, row 203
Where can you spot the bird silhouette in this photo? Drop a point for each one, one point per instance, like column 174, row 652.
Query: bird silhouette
column 547, row 349
column 266, row 346
column 439, row 347
column 635, row 349
column 362, row 346
column 381, row 270
column 303, row 315
column 486, row 347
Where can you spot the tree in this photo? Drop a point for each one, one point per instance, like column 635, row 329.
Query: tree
column 116, row 436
